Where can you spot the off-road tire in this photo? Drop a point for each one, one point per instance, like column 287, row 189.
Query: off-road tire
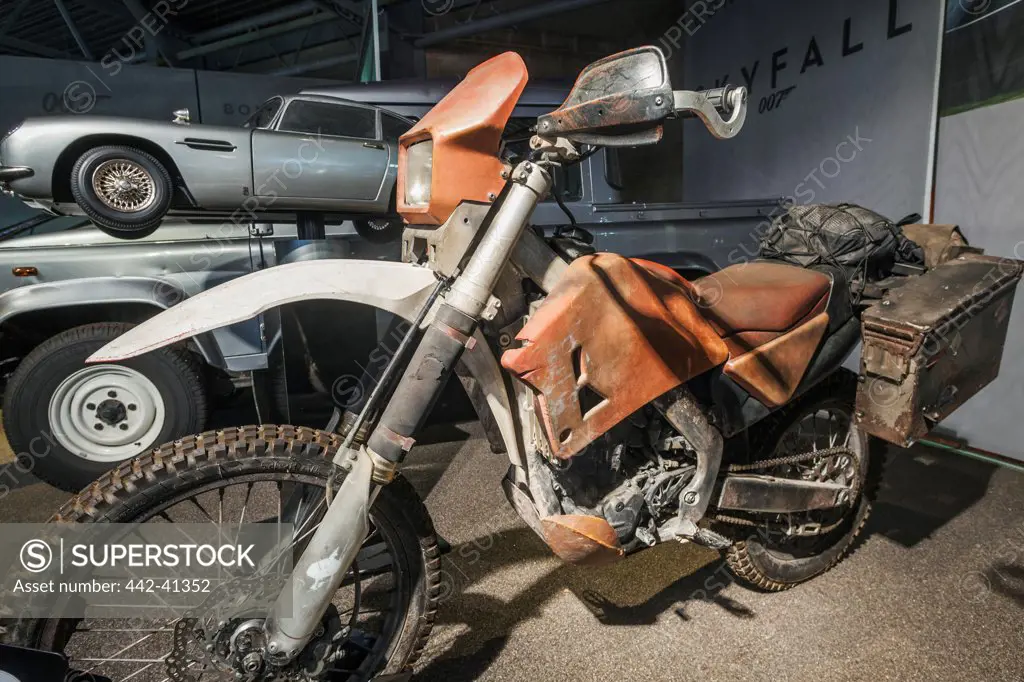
column 173, row 370
column 116, row 223
column 140, row 486
column 749, row 560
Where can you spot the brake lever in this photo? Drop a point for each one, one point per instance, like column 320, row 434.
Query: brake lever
column 705, row 105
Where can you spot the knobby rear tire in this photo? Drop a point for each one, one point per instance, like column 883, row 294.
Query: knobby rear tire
column 750, row 560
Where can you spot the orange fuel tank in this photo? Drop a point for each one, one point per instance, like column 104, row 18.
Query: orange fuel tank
column 613, row 335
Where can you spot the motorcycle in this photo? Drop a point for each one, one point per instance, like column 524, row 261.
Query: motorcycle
column 635, row 407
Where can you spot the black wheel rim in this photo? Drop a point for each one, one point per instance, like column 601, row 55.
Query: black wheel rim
column 824, row 427
column 370, row 602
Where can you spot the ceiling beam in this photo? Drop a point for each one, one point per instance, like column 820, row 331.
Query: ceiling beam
column 316, row 65
column 32, row 48
column 255, row 36
column 256, row 21
column 12, row 18
column 315, row 42
column 156, row 42
column 73, row 29
column 110, row 7
column 349, row 11
column 531, row 13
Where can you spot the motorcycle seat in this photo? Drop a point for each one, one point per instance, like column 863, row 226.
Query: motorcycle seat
column 762, row 297
column 772, row 317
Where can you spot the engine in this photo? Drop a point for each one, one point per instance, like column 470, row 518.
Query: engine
column 632, row 477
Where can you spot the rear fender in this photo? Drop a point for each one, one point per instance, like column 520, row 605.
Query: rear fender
column 399, row 288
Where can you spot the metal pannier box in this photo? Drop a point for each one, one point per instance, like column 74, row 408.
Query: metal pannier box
column 932, row 343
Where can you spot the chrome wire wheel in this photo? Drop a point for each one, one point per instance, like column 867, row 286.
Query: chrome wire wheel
column 379, row 229
column 124, row 185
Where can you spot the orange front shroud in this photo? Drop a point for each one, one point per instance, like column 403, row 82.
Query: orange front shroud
column 466, row 128
column 620, row 333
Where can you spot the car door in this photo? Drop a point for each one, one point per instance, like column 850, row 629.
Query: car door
column 327, row 152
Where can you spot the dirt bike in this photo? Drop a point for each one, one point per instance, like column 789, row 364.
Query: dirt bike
column 636, row 407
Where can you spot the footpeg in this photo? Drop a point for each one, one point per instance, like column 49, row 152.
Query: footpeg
column 681, row 529
column 710, row 539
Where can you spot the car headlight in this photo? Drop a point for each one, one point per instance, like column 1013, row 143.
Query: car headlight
column 419, row 163
column 11, row 131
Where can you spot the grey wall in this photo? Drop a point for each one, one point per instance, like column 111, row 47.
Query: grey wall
column 47, row 87
column 979, row 171
column 228, row 98
column 823, row 126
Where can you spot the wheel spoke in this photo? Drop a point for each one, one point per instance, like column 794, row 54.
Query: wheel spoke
column 124, row 186
column 366, row 598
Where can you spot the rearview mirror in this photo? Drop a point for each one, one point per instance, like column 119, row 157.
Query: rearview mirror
column 627, row 94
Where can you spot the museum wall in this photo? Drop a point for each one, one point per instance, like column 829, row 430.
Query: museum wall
column 842, row 101
column 980, row 163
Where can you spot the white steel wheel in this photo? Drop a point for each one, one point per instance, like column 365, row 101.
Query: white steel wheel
column 106, row 413
column 49, row 422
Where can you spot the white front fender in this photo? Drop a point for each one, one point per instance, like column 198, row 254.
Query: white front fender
column 399, row 288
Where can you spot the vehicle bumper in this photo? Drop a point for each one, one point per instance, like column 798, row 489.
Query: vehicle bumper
column 9, row 174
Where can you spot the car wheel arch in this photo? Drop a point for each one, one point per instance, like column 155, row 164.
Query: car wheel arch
column 42, row 319
column 61, row 181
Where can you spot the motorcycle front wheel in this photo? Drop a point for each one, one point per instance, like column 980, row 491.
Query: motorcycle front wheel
column 780, row 551
column 385, row 608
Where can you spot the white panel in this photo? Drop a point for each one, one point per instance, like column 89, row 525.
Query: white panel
column 978, row 186
column 44, row 87
column 851, row 128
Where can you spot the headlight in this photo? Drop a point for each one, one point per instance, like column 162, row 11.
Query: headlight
column 11, row 131
column 419, row 163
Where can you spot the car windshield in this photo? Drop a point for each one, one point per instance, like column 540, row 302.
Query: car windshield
column 262, row 117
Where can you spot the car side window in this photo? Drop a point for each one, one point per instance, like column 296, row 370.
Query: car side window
column 392, row 127
column 262, row 117
column 304, row 116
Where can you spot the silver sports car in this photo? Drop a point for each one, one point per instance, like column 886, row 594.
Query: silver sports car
column 297, row 153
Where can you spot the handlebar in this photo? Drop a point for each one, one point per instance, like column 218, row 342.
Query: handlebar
column 723, row 110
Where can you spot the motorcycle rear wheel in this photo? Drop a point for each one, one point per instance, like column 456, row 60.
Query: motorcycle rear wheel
column 152, row 486
column 765, row 560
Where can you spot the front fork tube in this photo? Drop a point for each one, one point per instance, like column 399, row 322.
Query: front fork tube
column 452, row 328
column 324, row 563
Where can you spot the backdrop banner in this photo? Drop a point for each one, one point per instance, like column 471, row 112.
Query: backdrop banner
column 842, row 101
